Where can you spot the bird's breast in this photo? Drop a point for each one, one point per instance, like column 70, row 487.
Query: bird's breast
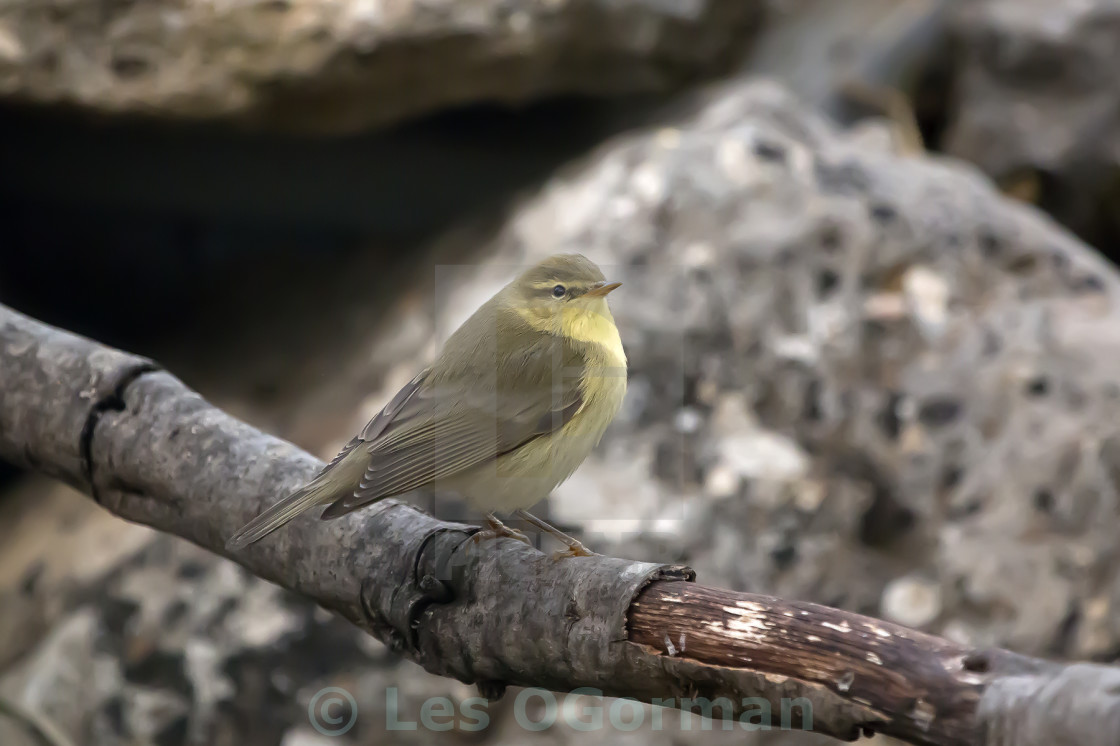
column 526, row 475
column 603, row 387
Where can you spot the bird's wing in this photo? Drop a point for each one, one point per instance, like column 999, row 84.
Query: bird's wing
column 441, row 429
column 380, row 421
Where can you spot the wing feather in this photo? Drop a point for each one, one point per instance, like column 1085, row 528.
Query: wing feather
column 380, row 421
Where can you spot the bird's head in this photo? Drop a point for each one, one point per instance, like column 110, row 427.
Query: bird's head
column 564, row 294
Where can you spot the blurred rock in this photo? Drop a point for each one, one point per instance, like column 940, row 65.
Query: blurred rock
column 941, row 358
column 1037, row 103
column 912, row 601
column 177, row 646
column 344, row 66
column 851, row 372
column 848, row 59
column 54, row 545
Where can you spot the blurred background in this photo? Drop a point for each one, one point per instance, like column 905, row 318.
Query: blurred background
column 870, row 307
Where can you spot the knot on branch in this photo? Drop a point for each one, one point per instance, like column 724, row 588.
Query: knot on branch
column 112, row 400
column 436, row 575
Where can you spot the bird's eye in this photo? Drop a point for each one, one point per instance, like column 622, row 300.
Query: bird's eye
column 559, row 291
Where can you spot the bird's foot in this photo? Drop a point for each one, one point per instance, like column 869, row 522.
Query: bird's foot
column 495, row 529
column 497, row 533
column 574, row 550
column 574, row 547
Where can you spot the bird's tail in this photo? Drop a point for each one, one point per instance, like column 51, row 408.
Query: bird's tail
column 317, row 492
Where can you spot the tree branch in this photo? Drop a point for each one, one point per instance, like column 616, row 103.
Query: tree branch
column 499, row 613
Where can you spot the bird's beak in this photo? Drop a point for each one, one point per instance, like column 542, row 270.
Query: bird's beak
column 599, row 289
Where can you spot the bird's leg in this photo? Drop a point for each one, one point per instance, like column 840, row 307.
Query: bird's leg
column 575, row 548
column 495, row 529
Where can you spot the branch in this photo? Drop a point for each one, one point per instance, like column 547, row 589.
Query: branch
column 499, row 613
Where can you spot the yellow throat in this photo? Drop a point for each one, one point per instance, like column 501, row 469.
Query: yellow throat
column 593, row 323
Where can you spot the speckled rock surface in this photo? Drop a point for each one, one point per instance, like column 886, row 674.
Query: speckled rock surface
column 856, row 378
column 342, row 66
column 849, row 367
column 175, row 646
column 1036, row 93
column 929, row 364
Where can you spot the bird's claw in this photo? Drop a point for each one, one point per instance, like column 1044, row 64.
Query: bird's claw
column 574, row 550
column 498, row 532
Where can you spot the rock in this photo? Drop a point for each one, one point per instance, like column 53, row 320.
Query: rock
column 1035, row 102
column 930, row 367
column 345, row 66
column 756, row 244
column 53, row 543
column 843, row 58
column 912, row 601
column 176, row 645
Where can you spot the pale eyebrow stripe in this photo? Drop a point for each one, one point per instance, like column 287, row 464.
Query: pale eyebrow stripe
column 549, row 284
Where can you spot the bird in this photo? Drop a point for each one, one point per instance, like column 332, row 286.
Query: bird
column 517, row 398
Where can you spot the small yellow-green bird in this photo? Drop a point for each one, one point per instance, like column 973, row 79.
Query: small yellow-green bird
column 518, row 397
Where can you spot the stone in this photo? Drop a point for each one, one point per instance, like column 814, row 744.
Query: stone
column 973, row 421
column 932, row 405
column 345, row 66
column 1034, row 103
column 912, row 601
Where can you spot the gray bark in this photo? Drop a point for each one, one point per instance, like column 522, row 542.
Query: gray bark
column 150, row 450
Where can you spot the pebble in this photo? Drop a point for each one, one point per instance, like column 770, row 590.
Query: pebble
column 911, row 601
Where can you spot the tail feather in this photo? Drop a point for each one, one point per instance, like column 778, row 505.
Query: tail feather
column 300, row 501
